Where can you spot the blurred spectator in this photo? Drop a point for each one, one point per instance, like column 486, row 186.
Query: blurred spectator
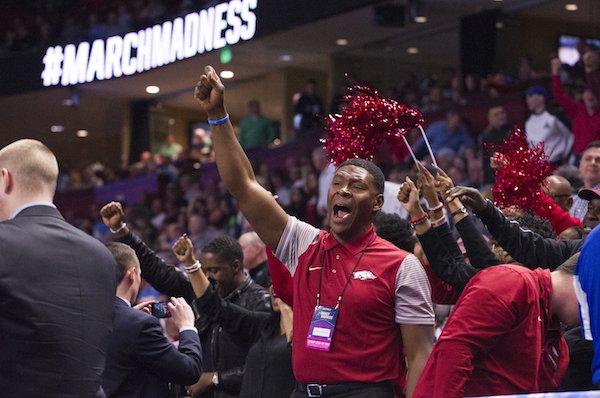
column 560, row 191
column 308, row 106
column 497, row 131
column 169, row 147
column 97, row 29
column 255, row 258
column 542, row 127
column 256, row 130
column 585, row 117
column 445, row 134
column 589, row 169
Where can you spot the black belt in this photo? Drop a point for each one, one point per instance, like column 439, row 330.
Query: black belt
column 314, row 390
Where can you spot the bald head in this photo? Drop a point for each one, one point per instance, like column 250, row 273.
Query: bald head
column 29, row 172
column 253, row 248
column 560, row 190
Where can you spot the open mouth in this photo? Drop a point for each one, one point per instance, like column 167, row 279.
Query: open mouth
column 341, row 211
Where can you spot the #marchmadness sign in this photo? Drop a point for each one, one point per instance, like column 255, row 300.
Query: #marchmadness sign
column 196, row 33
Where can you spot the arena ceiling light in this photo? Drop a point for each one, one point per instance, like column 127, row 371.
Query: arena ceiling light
column 421, row 19
column 227, row 74
column 412, row 50
column 285, row 58
column 82, row 133
column 571, row 7
column 57, row 128
column 341, row 42
column 152, row 89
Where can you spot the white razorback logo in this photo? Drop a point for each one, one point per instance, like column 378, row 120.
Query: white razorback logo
column 364, row 275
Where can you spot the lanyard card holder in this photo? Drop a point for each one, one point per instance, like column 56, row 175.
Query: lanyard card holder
column 320, row 332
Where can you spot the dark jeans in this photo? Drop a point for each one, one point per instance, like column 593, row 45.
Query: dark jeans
column 382, row 390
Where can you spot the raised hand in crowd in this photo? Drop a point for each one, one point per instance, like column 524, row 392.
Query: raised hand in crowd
column 209, row 93
column 469, row 197
column 591, row 61
column 408, row 195
column 555, row 66
column 184, row 251
column 426, row 183
column 112, row 216
column 443, row 183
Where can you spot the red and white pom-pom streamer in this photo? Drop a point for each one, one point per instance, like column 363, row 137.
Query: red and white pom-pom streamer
column 520, row 172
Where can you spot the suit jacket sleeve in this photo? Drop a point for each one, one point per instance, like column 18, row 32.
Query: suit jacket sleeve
column 163, row 277
column 527, row 247
column 159, row 356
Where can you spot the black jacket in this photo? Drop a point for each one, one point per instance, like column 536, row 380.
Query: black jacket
column 447, row 261
column 269, row 363
column 228, row 355
column 527, row 247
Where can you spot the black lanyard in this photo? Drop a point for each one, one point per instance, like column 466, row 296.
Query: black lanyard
column 339, row 300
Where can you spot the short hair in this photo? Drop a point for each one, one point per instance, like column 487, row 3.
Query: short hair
column 568, row 267
column 593, row 144
column 495, row 104
column 395, row 229
column 33, row 165
column 226, row 247
column 535, row 223
column 125, row 258
column 252, row 239
column 376, row 173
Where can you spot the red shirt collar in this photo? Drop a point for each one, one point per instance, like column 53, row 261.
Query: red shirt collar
column 354, row 246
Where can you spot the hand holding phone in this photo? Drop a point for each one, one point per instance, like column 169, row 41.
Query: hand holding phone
column 160, row 310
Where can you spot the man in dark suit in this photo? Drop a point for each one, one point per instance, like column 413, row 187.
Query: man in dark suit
column 222, row 259
column 141, row 362
column 56, row 286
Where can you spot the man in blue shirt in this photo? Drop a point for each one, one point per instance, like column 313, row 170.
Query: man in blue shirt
column 587, row 277
column 445, row 134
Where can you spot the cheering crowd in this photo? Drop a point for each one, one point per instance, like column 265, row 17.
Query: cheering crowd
column 292, row 310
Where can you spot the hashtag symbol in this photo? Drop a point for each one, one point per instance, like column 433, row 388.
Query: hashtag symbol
column 52, row 66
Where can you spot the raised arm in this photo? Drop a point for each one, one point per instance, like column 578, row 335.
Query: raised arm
column 232, row 318
column 568, row 104
column 449, row 267
column 527, row 247
column 477, row 250
column 256, row 203
column 163, row 277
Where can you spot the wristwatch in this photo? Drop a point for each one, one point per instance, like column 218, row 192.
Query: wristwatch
column 215, row 379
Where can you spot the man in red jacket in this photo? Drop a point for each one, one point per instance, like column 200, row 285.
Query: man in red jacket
column 504, row 335
column 585, row 117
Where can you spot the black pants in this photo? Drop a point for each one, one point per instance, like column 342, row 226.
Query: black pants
column 382, row 390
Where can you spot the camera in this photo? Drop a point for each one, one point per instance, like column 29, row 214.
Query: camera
column 160, row 310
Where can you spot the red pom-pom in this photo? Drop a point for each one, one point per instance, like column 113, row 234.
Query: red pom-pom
column 365, row 123
column 520, row 172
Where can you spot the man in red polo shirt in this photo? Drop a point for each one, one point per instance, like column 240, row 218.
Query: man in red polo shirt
column 361, row 305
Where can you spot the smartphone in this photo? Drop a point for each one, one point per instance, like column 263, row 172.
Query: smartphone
column 160, row 310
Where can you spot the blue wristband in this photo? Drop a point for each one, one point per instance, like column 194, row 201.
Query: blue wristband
column 220, row 121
